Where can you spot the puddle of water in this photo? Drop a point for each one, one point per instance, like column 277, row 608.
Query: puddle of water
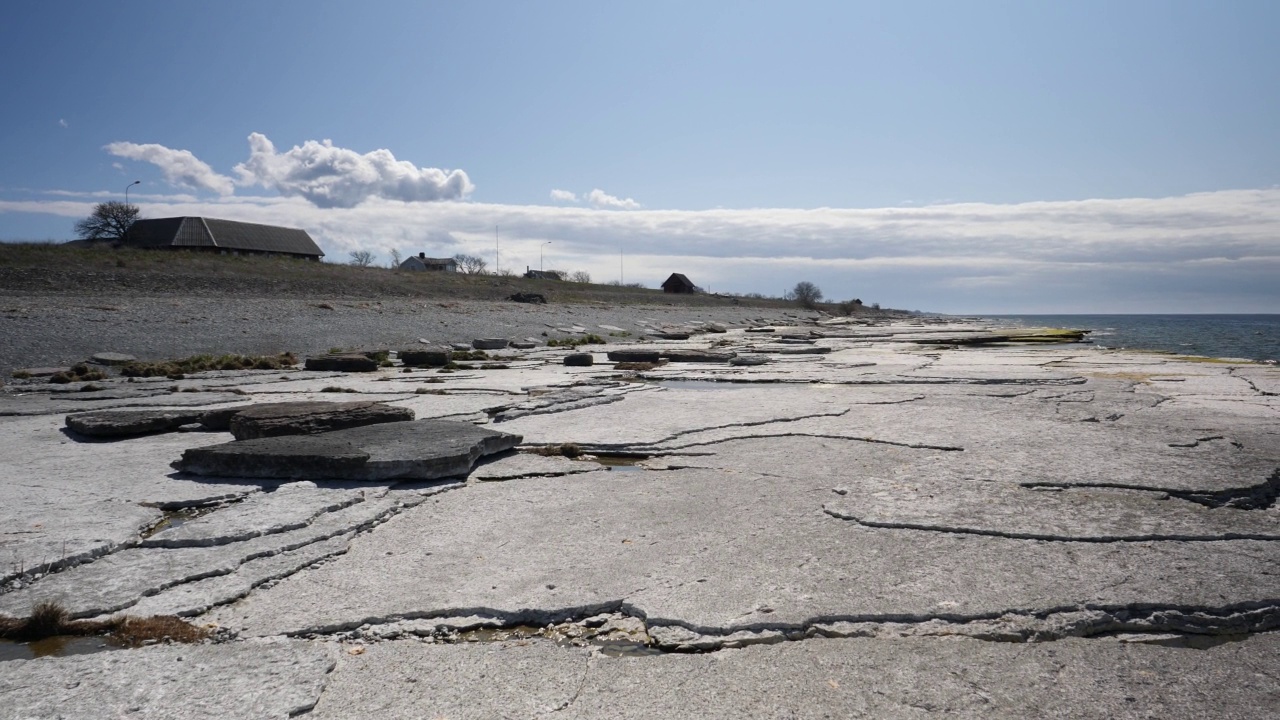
column 627, row 649
column 622, row 463
column 180, row 517
column 57, row 646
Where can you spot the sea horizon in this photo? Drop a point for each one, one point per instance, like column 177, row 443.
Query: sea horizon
column 1248, row 336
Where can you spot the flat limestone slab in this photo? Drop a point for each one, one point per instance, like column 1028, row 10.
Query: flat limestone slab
column 720, row 551
column 310, row 418
column 262, row 679
column 1089, row 514
column 811, row 679
column 127, row 423
column 420, row 450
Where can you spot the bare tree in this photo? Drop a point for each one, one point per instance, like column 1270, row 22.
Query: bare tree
column 580, row 276
column 470, row 264
column 109, row 221
column 806, row 294
column 395, row 259
column 361, row 258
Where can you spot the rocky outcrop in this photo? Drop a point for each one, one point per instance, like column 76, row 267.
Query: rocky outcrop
column 420, row 450
column 697, row 356
column 310, row 418
column 635, row 355
column 353, row 362
column 128, row 423
column 436, row 357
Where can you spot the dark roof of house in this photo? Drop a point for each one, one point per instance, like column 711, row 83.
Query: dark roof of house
column 199, row 232
column 679, row 279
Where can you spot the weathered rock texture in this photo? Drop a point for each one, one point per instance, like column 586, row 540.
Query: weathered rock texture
column 342, row 363
column 309, row 418
column 420, row 450
column 127, row 423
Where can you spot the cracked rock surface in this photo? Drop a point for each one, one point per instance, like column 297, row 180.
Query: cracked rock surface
column 277, row 679
column 866, row 525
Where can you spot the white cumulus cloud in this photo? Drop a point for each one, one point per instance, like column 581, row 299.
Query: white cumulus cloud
column 179, row 167
column 332, row 177
column 564, row 196
column 601, row 199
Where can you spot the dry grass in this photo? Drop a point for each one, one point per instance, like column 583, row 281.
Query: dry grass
column 177, row 369
column 80, row 372
column 48, row 619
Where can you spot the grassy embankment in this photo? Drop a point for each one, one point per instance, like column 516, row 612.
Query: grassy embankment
column 47, row 268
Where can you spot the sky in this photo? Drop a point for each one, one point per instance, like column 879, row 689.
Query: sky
column 959, row 157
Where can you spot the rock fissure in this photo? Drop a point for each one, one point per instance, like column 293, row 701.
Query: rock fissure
column 822, row 436
column 1086, row 620
column 1049, row 537
column 1250, row 497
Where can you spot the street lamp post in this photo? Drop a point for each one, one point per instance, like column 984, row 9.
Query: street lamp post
column 126, row 190
column 544, row 245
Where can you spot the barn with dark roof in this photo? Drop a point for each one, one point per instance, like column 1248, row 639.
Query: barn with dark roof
column 225, row 236
column 678, row 283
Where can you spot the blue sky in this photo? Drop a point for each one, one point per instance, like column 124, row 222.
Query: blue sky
column 959, row 157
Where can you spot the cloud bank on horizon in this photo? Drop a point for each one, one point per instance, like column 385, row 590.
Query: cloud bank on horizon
column 1118, row 255
column 319, row 172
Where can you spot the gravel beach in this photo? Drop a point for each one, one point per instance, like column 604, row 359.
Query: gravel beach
column 60, row 330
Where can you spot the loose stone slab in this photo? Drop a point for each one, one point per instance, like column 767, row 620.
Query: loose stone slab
column 698, row 356
column 127, row 423
column 309, row 418
column 579, row 360
column 353, row 362
column 426, row 358
column 260, row 679
column 489, row 343
column 649, row 356
column 419, row 450
column 112, row 358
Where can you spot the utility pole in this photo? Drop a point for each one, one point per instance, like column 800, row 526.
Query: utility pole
column 542, row 247
column 622, row 279
column 126, row 190
column 496, row 265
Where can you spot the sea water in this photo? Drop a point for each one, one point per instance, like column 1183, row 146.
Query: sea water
column 1252, row 337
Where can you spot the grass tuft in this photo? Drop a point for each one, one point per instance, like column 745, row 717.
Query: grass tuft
column 576, row 341
column 177, row 369
column 49, row 619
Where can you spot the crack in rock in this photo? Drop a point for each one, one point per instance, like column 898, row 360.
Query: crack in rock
column 574, row 398
column 874, row 441
column 1014, row 625
column 121, row 580
column 1250, row 497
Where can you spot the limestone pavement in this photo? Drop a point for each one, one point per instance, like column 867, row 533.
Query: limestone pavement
column 900, row 519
